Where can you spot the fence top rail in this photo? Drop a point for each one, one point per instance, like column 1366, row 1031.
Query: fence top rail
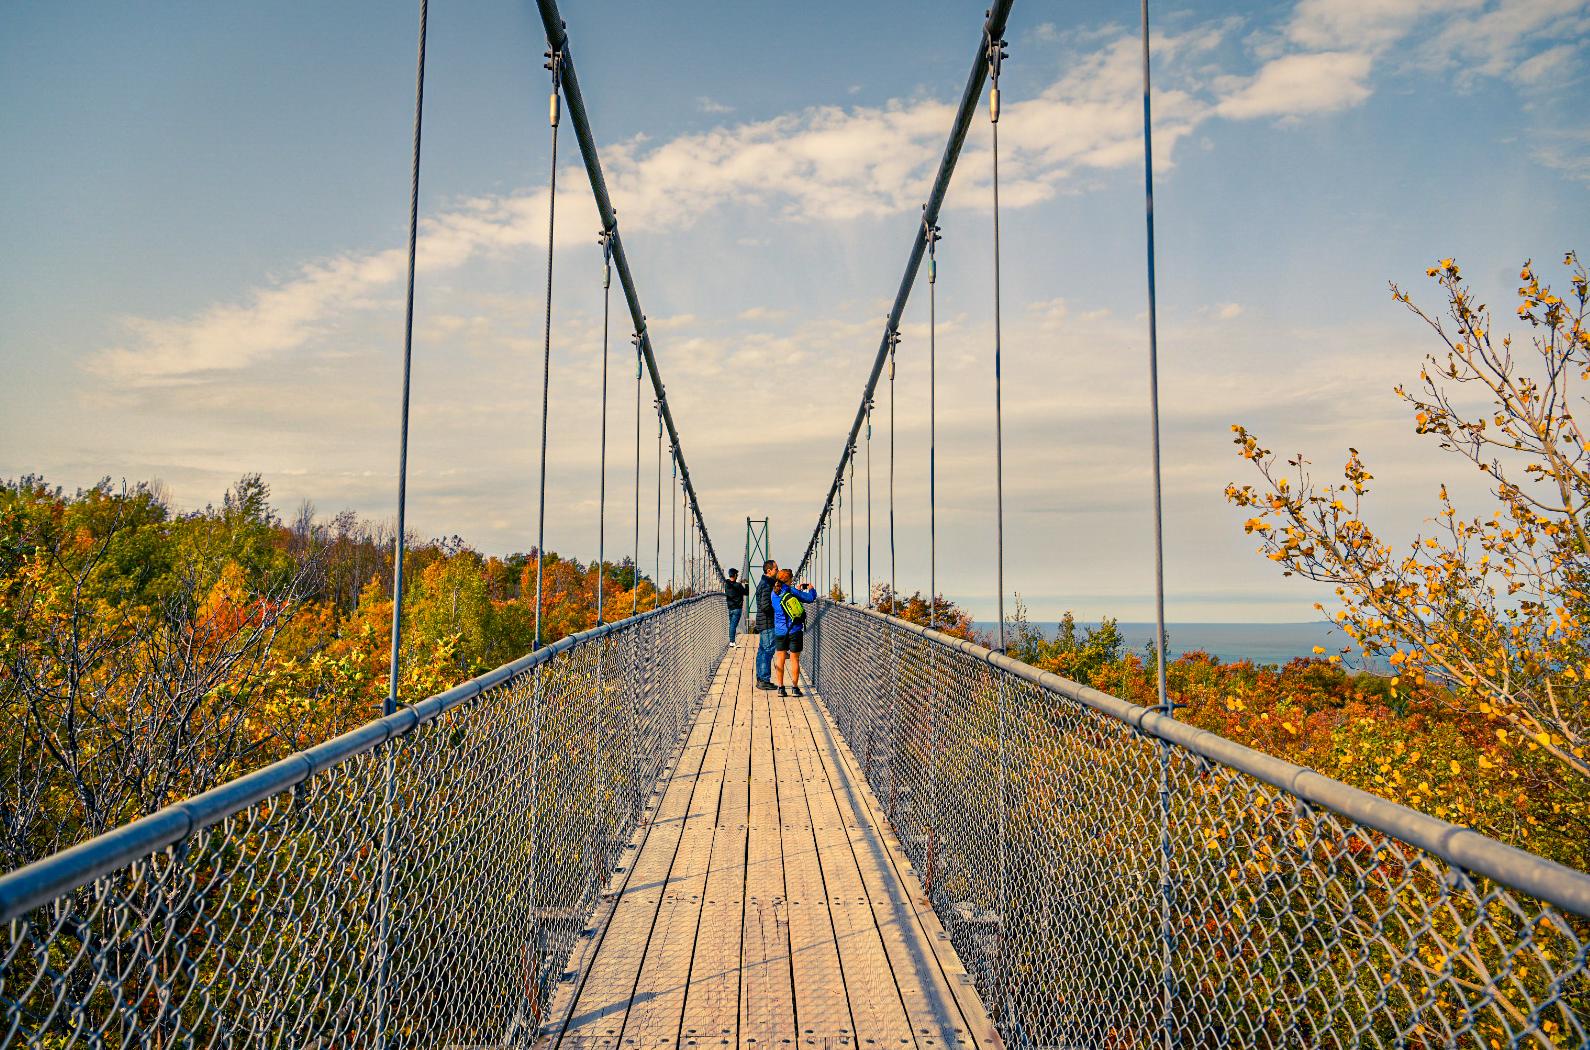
column 1465, row 848
column 29, row 887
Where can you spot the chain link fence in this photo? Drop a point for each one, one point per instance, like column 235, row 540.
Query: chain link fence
column 418, row 882
column 1115, row 879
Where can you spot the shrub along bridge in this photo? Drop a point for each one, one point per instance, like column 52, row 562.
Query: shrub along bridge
column 615, row 841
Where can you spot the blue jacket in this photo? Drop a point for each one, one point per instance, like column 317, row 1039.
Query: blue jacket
column 781, row 621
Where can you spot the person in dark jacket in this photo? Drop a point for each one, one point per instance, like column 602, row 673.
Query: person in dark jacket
column 789, row 632
column 735, row 592
column 764, row 625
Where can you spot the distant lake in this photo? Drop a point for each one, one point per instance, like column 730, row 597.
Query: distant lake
column 1263, row 643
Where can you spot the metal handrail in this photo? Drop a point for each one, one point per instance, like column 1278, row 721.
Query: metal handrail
column 1537, row 876
column 29, row 887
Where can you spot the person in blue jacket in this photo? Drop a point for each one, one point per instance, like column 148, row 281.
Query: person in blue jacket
column 789, row 631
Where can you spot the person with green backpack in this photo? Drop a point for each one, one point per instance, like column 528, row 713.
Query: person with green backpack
column 790, row 611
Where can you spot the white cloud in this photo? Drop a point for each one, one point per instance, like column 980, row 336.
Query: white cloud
column 1494, row 38
column 1228, row 311
column 1049, row 313
column 1299, row 84
column 710, row 105
column 1548, row 63
column 1509, row 38
column 838, row 163
column 1363, row 24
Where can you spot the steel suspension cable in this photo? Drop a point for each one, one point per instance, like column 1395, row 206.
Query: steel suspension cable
column 555, row 64
column 579, row 121
column 997, row 15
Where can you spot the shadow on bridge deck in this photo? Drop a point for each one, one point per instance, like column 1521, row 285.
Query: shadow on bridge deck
column 767, row 904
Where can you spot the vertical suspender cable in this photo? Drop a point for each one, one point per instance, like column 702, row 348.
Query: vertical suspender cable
column 673, row 529
column 390, row 704
column 852, row 466
column 933, row 558
column 1153, row 380
column 1167, row 925
column 932, row 234
column 996, row 56
column 639, row 368
column 408, row 357
column 656, row 588
column 601, row 488
column 869, row 503
column 894, row 596
column 554, row 106
column 555, row 64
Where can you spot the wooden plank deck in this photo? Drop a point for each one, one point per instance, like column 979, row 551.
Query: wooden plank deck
column 766, row 904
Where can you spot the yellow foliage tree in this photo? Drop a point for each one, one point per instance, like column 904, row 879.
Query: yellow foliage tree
column 1490, row 609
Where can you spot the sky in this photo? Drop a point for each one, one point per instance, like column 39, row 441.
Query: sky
column 203, row 209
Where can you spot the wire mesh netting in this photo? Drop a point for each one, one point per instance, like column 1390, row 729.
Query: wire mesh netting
column 417, row 883
column 1110, row 888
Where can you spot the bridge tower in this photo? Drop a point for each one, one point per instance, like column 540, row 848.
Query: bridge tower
column 758, row 548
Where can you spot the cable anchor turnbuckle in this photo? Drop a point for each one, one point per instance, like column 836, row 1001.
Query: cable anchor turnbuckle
column 894, row 344
column 554, row 63
column 932, row 234
column 996, row 58
column 605, row 239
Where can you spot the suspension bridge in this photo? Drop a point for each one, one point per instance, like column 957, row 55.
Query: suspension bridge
column 617, row 841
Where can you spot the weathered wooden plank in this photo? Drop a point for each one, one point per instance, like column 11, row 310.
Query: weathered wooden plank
column 768, row 904
column 934, row 987
column 822, row 1004
column 767, row 997
column 712, row 1001
column 875, row 1001
column 591, row 1010
column 655, row 1015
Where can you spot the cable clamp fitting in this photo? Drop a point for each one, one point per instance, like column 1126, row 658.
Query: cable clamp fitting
column 996, row 58
column 554, row 63
column 605, row 239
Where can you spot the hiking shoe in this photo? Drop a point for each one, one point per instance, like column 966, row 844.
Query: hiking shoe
column 782, row 692
column 796, row 691
column 763, row 683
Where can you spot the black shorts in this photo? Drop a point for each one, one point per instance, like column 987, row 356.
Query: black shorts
column 789, row 643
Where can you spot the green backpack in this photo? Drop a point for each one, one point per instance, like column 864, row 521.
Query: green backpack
column 793, row 608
